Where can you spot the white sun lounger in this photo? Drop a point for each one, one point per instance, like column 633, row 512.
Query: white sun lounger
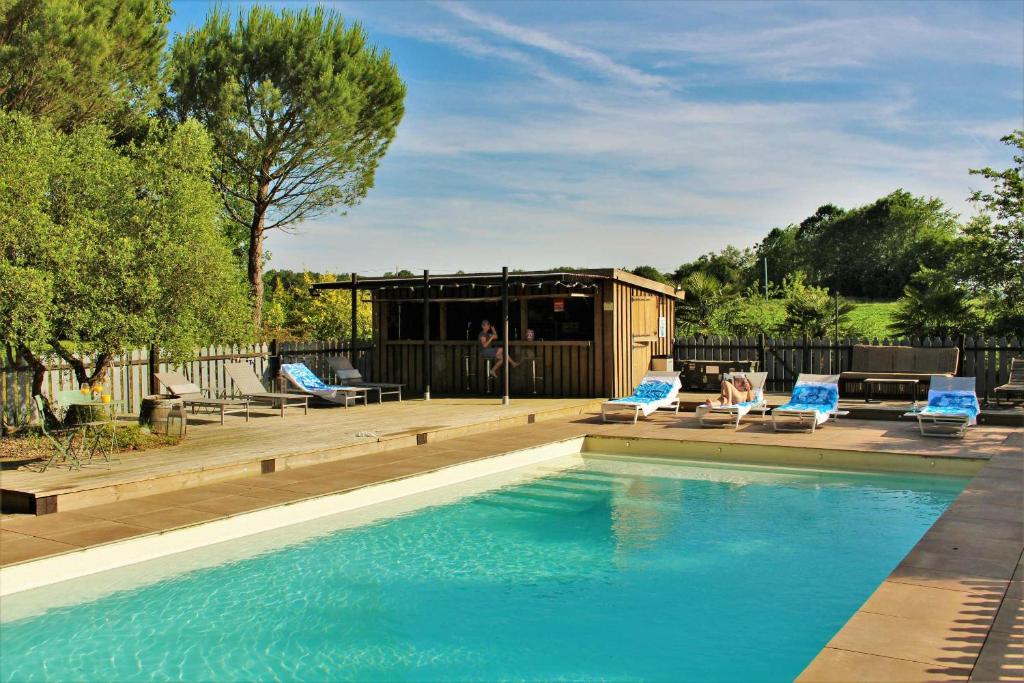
column 737, row 411
column 304, row 379
column 814, row 400
column 656, row 390
column 952, row 407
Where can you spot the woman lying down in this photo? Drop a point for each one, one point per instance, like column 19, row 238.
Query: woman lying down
column 735, row 390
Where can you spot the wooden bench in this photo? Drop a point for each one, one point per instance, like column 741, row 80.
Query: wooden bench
column 897, row 363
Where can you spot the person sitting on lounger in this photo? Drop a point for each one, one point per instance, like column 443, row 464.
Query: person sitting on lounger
column 735, row 391
column 491, row 351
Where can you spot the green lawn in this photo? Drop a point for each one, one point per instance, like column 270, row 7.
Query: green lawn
column 871, row 318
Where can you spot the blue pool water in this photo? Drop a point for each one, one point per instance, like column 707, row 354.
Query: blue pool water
column 612, row 570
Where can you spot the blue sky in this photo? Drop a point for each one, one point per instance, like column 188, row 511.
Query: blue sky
column 598, row 134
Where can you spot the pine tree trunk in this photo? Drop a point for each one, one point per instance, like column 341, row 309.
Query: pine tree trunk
column 256, row 270
column 259, row 216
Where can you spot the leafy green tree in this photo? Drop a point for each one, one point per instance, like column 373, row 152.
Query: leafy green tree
column 990, row 257
column 810, row 310
column 784, row 252
column 651, row 273
column 934, row 306
column 731, row 267
column 756, row 313
column 120, row 247
column 293, row 313
column 301, row 110
column 80, row 61
column 872, row 251
column 708, row 306
column 817, row 225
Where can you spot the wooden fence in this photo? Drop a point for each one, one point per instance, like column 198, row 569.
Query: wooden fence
column 128, row 376
column 987, row 359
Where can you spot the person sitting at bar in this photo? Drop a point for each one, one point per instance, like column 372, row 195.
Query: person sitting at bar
column 491, row 351
column 735, row 391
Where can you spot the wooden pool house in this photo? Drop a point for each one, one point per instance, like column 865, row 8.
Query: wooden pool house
column 586, row 333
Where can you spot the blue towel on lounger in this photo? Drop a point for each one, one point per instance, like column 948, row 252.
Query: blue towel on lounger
column 305, row 378
column 953, row 403
column 819, row 397
column 647, row 392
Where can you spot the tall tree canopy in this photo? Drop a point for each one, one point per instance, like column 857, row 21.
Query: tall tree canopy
column 301, row 110
column 991, row 257
column 113, row 248
column 874, row 250
column 79, row 61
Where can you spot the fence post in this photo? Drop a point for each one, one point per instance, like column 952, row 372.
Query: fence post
column 354, row 321
column 761, row 353
column 805, row 361
column 154, row 367
column 961, row 345
column 275, row 363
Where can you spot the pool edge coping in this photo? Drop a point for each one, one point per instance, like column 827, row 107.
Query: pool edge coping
column 27, row 575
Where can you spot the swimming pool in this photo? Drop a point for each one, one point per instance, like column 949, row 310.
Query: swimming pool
column 608, row 569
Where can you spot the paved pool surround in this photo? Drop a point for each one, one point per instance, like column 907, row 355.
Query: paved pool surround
column 952, row 610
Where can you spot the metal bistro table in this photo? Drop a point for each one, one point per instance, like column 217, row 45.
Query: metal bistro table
column 869, row 387
column 111, row 408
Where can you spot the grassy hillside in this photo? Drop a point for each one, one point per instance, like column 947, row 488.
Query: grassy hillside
column 871, row 318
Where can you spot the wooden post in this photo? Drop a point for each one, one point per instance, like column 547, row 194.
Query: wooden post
column 762, row 360
column 352, row 332
column 426, row 335
column 275, row 364
column 154, row 367
column 805, row 356
column 961, row 344
column 504, row 336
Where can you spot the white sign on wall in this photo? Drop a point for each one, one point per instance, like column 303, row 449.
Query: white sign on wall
column 662, row 327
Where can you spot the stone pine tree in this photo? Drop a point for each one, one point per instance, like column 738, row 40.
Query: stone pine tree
column 301, row 109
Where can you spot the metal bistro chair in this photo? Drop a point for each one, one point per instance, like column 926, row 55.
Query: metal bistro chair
column 61, row 438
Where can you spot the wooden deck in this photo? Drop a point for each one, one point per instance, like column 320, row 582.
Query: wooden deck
column 267, row 443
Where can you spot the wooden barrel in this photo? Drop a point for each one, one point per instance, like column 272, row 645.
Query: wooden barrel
column 163, row 415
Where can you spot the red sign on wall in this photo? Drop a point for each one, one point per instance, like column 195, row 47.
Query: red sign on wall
column 559, row 305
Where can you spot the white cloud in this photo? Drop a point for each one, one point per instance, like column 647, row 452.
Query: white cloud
column 523, row 35
column 553, row 169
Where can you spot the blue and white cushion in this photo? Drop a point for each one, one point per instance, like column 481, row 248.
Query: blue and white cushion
column 648, row 391
column 306, row 379
column 819, row 397
column 953, row 403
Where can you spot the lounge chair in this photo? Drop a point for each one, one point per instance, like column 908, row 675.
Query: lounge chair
column 1015, row 384
column 952, row 407
column 305, row 381
column 737, row 411
column 345, row 372
column 656, row 390
column 193, row 397
column 250, row 386
column 814, row 400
